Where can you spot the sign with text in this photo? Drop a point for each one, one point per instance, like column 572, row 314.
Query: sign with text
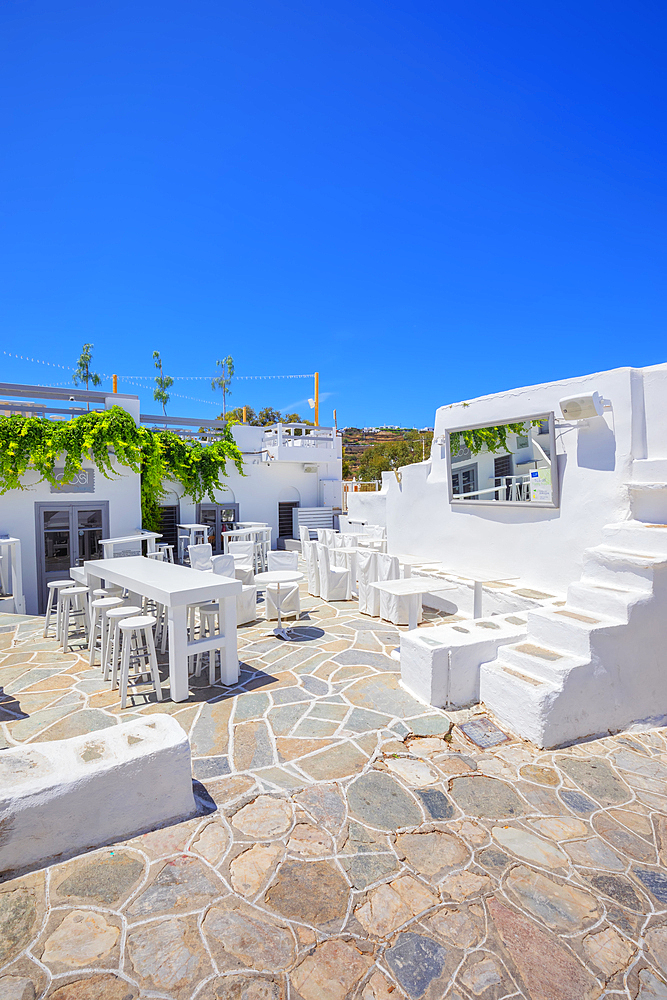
column 82, row 482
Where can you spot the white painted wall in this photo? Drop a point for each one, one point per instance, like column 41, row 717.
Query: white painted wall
column 18, row 518
column 542, row 546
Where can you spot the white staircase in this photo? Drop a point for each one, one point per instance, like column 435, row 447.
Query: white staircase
column 599, row 662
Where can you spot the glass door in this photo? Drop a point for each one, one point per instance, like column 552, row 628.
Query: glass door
column 218, row 518
column 67, row 535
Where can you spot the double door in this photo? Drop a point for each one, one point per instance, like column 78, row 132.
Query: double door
column 68, row 535
column 218, row 518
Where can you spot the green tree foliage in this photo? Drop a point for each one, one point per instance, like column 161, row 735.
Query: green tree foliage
column 264, row 418
column 111, row 438
column 82, row 372
column 492, row 438
column 384, row 457
column 162, row 382
column 224, row 380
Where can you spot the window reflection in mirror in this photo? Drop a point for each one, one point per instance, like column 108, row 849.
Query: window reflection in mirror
column 505, row 463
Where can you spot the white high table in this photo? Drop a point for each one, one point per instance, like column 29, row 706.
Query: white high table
column 177, row 587
column 278, row 576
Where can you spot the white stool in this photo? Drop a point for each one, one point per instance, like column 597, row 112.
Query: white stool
column 151, row 607
column 159, row 555
column 168, row 551
column 55, row 587
column 98, row 620
column 73, row 607
column 207, row 616
column 138, row 649
column 111, row 661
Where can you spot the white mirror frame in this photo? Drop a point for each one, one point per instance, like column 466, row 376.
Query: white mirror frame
column 458, row 499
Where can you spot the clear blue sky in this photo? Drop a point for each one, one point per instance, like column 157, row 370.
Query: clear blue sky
column 423, row 201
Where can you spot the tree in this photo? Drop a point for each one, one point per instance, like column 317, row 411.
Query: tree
column 82, row 372
column 163, row 382
column 265, row 417
column 224, row 380
column 392, row 455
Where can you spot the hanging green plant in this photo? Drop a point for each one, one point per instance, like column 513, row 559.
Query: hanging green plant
column 492, row 438
column 111, row 438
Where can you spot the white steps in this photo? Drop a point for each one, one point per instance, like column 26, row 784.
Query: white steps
column 597, row 663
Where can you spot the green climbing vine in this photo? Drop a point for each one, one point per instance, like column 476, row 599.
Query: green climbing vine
column 37, row 443
column 491, row 438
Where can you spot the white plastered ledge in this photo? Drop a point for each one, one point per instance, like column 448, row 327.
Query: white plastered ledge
column 67, row 796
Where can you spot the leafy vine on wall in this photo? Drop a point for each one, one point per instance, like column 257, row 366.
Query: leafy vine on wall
column 493, row 438
column 111, row 438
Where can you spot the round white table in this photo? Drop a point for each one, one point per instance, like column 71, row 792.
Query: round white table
column 278, row 576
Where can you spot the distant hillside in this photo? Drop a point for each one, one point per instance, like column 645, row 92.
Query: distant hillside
column 369, row 451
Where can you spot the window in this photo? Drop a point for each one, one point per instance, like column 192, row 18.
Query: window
column 464, row 481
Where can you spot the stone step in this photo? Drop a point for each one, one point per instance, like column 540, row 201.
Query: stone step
column 620, row 567
column 567, row 629
column 539, row 661
column 519, row 700
column 637, row 536
column 600, row 599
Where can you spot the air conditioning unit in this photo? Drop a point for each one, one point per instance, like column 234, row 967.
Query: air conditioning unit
column 582, row 407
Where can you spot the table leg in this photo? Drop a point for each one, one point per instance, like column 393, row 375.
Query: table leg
column 278, row 606
column 178, row 653
column 413, row 611
column 229, row 660
column 477, row 600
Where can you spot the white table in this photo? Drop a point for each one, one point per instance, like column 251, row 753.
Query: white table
column 413, row 588
column 408, row 561
column 176, row 587
column 278, row 576
column 145, row 536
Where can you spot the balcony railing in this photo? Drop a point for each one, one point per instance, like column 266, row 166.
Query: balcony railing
column 299, row 436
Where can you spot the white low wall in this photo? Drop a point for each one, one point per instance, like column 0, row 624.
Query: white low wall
column 59, row 798
column 368, row 507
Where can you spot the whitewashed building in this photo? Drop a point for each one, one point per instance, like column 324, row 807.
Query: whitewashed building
column 286, row 467
column 572, row 543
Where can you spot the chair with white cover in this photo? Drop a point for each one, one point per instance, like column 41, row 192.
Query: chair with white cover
column 243, row 552
column 393, row 609
column 335, row 583
column 246, row 601
column 304, row 533
column 290, row 604
column 367, row 573
column 240, row 571
column 309, row 552
column 200, row 556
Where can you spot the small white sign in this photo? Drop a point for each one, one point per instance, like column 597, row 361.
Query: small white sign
column 82, row 482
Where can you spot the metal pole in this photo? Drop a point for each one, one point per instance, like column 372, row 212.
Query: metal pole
column 317, row 399
column 245, row 414
column 115, row 383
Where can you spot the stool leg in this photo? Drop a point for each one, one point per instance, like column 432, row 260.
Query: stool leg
column 152, row 659
column 49, row 608
column 104, row 640
column 59, row 619
column 115, row 654
column 124, row 670
column 65, row 629
column 93, row 631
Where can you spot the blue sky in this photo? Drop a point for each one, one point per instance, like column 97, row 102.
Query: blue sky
column 423, row 201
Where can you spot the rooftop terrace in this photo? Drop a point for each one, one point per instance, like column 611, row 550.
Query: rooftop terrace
column 348, row 844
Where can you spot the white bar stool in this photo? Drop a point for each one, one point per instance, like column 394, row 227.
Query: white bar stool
column 111, row 661
column 138, row 649
column 168, row 551
column 55, row 586
column 98, row 620
column 73, row 608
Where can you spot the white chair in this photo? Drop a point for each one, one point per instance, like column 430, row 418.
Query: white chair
column 335, row 583
column 111, row 662
column 304, row 535
column 243, row 552
column 239, row 571
column 309, row 552
column 138, row 651
column 290, row 604
column 367, row 573
column 98, row 623
column 393, row 609
column 246, row 602
column 200, row 557
column 55, row 586
column 343, row 558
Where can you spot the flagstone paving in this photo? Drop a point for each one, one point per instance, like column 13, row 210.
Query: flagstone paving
column 345, row 849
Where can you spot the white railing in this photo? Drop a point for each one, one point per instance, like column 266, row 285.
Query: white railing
column 356, row 486
column 299, row 436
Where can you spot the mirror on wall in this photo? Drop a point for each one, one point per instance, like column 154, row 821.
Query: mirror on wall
column 507, row 463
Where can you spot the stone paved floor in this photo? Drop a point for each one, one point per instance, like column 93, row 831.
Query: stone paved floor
column 354, row 852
